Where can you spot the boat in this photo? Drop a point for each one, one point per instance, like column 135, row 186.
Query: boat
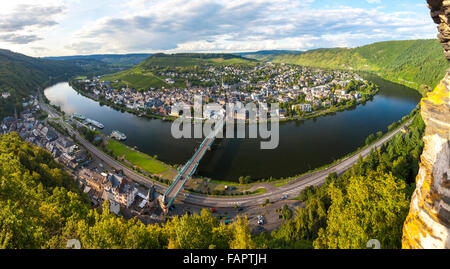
column 95, row 123
column 78, row 116
column 118, row 135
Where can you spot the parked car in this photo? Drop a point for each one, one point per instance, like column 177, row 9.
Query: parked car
column 260, row 220
column 284, row 197
column 213, row 210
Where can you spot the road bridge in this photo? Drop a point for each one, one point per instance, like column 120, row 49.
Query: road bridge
column 191, row 166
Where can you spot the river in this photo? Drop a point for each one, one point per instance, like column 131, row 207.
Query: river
column 304, row 145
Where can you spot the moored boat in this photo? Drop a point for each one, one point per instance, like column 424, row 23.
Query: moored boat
column 95, row 123
column 118, row 135
column 78, row 116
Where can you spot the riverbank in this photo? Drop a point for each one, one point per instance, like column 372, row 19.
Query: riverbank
column 212, row 187
column 303, row 144
column 349, row 104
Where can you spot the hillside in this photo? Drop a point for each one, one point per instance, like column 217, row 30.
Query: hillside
column 143, row 75
column 41, row 206
column 194, row 59
column 414, row 63
column 120, row 60
column 267, row 55
column 20, row 75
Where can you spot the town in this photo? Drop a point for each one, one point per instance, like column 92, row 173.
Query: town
column 45, row 126
column 97, row 181
column 300, row 91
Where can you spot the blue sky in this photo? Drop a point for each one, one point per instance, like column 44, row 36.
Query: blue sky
column 68, row 27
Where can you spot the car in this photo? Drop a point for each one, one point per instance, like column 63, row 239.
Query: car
column 187, row 195
column 284, row 197
column 213, row 210
column 240, row 209
column 260, row 220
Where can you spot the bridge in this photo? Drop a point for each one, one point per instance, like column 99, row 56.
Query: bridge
column 191, row 166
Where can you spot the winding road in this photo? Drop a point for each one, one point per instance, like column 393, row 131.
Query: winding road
column 291, row 189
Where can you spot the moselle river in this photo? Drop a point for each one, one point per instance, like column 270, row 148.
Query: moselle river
column 303, row 145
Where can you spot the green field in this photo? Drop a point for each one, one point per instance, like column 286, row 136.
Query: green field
column 136, row 77
column 140, row 159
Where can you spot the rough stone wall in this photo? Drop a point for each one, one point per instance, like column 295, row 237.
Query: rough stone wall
column 428, row 221
column 440, row 12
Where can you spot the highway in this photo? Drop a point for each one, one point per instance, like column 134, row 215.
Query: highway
column 292, row 189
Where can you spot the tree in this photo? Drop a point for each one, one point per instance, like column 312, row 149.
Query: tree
column 372, row 207
column 242, row 238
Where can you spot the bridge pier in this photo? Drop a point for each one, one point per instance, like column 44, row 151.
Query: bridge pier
column 162, row 204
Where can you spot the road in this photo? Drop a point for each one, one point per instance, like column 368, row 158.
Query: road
column 292, row 189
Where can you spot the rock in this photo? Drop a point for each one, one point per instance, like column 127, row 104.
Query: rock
column 440, row 12
column 428, row 222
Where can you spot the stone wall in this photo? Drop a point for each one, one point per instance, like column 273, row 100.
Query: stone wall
column 428, row 221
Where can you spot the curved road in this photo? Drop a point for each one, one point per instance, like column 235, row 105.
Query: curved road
column 291, row 189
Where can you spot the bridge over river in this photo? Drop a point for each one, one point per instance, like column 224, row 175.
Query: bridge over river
column 189, row 168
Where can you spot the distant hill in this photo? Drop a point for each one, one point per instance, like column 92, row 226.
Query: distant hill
column 20, row 75
column 267, row 55
column 193, row 59
column 414, row 63
column 123, row 60
column 142, row 76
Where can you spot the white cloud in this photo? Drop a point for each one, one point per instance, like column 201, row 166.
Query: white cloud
column 204, row 25
column 175, row 25
column 23, row 22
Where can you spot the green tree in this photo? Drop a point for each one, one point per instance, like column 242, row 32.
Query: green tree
column 372, row 207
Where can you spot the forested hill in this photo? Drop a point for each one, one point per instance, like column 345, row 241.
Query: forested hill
column 414, row 63
column 41, row 206
column 193, row 59
column 120, row 60
column 20, row 75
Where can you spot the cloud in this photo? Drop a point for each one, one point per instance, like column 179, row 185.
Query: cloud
column 18, row 39
column 23, row 21
column 175, row 25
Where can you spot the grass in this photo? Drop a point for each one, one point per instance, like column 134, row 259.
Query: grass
column 137, row 78
column 145, row 162
column 139, row 159
column 259, row 191
column 279, row 184
column 117, row 148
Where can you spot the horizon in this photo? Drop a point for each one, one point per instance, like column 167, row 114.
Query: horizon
column 77, row 27
column 214, row 52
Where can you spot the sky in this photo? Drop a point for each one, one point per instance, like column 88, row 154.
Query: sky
column 73, row 27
